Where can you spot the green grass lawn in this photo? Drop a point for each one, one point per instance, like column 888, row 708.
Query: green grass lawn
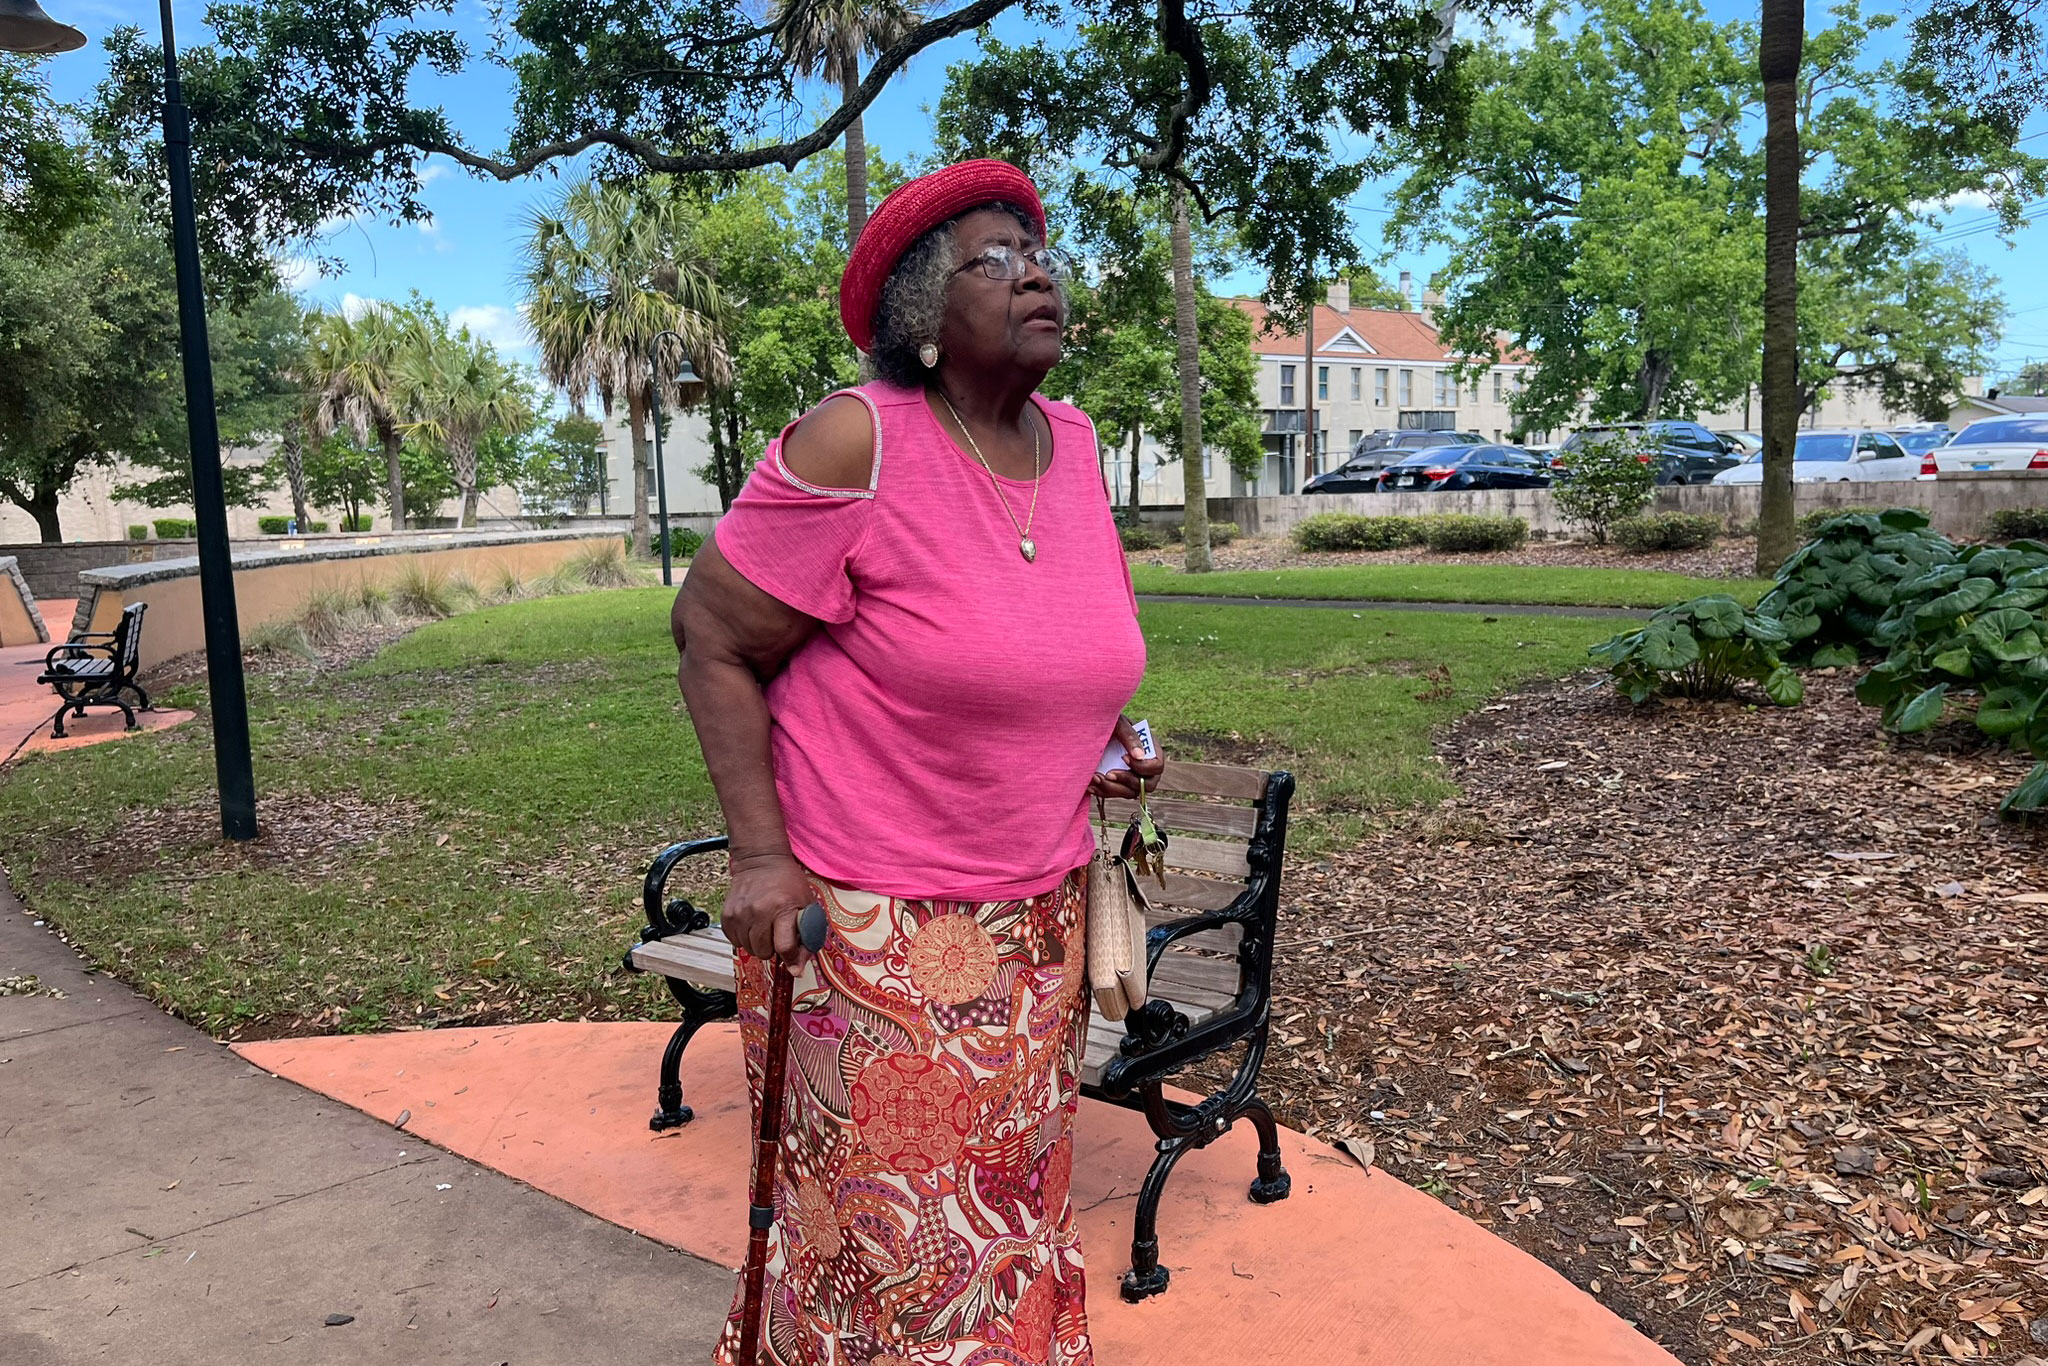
column 1502, row 583
column 454, row 831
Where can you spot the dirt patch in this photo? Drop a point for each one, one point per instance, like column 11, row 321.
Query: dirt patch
column 1728, row 559
column 313, row 833
column 1735, row 1016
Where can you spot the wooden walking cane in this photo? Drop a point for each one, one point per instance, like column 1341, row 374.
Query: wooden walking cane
column 810, row 928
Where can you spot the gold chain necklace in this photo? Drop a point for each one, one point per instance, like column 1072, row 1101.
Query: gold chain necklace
column 1026, row 547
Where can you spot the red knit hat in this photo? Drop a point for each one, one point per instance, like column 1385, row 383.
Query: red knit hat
column 912, row 210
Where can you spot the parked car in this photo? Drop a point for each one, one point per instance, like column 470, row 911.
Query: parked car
column 1687, row 453
column 1474, row 467
column 1835, row 455
column 1920, row 440
column 1996, row 443
column 1743, row 443
column 1377, row 450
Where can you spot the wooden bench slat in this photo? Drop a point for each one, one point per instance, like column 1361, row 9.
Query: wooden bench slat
column 1191, row 893
column 82, row 668
column 1208, row 856
column 1208, row 818
column 1182, row 976
column 1214, row 780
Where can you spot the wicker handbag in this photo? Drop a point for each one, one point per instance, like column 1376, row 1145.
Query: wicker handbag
column 1116, row 914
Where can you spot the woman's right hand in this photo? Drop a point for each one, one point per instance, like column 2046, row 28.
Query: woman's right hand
column 768, row 892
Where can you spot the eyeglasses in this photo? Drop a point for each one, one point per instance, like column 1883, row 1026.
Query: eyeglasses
column 1008, row 263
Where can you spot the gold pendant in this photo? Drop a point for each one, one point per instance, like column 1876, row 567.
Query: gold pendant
column 1029, row 547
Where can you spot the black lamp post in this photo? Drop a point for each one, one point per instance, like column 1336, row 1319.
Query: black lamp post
column 25, row 28
column 687, row 374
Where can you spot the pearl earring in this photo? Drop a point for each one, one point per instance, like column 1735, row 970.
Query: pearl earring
column 929, row 354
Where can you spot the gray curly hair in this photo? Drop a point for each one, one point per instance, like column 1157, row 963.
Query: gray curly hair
column 914, row 298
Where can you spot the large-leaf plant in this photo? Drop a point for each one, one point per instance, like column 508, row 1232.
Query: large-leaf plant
column 1701, row 649
column 1832, row 591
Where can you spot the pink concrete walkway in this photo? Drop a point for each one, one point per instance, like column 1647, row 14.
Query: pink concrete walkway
column 26, row 705
column 1354, row 1267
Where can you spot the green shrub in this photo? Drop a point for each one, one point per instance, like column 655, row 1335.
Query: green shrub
column 1352, row 531
column 2017, row 524
column 282, row 526
column 357, row 523
column 175, row 528
column 1665, row 531
column 1830, row 593
column 1808, row 524
column 1605, row 483
column 1701, row 648
column 1223, row 533
column 137, row 532
column 685, row 542
column 1464, row 532
column 1141, row 537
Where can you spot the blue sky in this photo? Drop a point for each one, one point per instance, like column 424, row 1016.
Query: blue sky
column 464, row 258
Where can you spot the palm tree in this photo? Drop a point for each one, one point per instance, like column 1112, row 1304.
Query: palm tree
column 608, row 268
column 1782, row 37
column 460, row 391
column 827, row 38
column 354, row 368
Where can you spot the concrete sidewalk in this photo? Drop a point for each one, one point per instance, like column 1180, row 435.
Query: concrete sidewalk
column 162, row 1200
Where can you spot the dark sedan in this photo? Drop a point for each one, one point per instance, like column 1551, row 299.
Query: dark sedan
column 1375, row 452
column 1470, row 467
column 1685, row 452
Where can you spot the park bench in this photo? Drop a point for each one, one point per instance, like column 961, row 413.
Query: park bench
column 86, row 674
column 1210, row 952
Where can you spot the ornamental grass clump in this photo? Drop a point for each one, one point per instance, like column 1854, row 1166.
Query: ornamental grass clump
column 1701, row 649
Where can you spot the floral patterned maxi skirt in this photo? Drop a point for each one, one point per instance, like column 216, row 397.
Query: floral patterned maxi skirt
column 921, row 1208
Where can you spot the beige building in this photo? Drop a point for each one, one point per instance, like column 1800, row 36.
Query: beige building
column 1371, row 369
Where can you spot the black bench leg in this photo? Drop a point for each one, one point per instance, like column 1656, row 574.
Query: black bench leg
column 700, row 1008
column 1146, row 1276
column 1274, row 1183
column 128, row 712
column 140, row 696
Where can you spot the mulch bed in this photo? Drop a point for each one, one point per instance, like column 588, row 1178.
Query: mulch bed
column 1727, row 559
column 1733, row 1015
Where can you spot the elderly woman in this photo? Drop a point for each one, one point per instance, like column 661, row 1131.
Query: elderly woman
column 906, row 650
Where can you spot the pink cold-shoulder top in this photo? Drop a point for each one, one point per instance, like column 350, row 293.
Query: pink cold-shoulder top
column 936, row 737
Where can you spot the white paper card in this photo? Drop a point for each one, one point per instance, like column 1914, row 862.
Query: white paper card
column 1113, row 760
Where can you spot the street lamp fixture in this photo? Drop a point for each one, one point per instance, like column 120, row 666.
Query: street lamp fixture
column 25, row 28
column 686, row 373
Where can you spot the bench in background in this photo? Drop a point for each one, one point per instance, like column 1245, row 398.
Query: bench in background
column 86, row 674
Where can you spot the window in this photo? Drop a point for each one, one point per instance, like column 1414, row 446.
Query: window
column 1287, row 386
column 1498, row 396
column 1496, row 433
column 1351, row 442
column 1443, row 389
column 1379, row 387
column 1356, row 376
column 1322, row 382
column 1407, row 388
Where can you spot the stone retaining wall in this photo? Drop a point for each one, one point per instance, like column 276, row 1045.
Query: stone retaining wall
column 20, row 622
column 272, row 584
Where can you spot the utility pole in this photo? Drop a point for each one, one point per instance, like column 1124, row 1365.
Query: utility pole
column 1308, row 391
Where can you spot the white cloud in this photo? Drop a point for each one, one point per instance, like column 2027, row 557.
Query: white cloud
column 298, row 272
column 1962, row 199
column 354, row 306
column 502, row 327
column 1515, row 35
column 432, row 172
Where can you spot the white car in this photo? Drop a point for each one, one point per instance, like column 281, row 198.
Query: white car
column 1838, row 455
column 1996, row 443
column 1745, row 443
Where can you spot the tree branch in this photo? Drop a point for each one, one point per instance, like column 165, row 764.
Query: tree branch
column 1184, row 40
column 651, row 156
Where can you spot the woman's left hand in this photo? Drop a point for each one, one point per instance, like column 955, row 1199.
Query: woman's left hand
column 1124, row 782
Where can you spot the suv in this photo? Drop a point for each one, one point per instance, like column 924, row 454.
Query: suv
column 1687, row 452
column 1377, row 450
